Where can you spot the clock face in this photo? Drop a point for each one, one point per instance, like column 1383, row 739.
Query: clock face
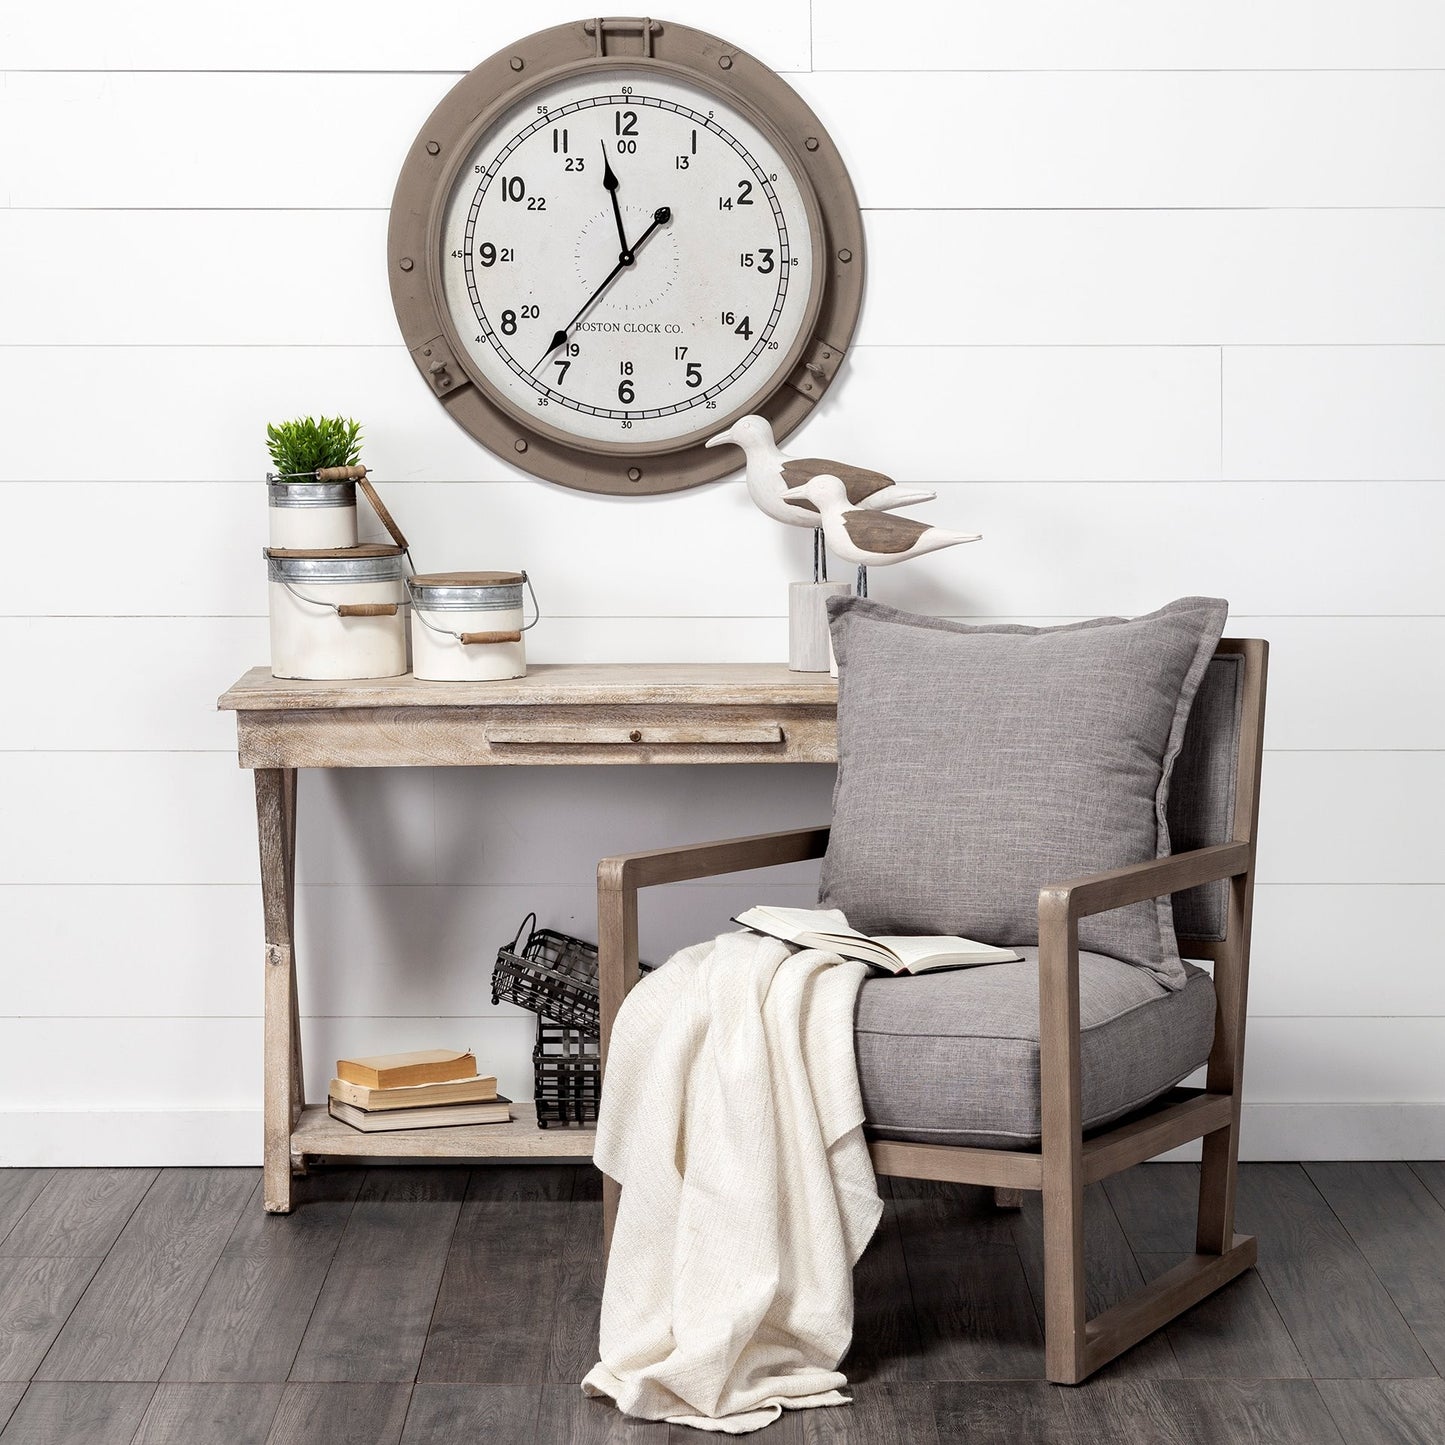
column 627, row 258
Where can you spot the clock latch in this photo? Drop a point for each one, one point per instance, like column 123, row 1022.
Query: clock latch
column 435, row 362
column 611, row 28
column 818, row 367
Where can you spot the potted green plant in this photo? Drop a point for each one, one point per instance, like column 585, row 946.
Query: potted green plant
column 312, row 491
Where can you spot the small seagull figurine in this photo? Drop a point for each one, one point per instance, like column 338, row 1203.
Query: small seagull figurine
column 774, row 481
column 869, row 539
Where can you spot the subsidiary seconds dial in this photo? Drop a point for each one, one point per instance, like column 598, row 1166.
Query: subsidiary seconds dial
column 628, row 260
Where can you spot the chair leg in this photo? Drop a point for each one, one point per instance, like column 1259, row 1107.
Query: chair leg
column 1218, row 1175
column 1064, row 1317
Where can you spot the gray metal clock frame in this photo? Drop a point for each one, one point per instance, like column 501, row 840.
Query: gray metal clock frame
column 414, row 252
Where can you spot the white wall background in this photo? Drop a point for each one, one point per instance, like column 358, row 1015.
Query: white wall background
column 1155, row 300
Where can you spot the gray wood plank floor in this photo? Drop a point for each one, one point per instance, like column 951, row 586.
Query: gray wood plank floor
column 408, row 1306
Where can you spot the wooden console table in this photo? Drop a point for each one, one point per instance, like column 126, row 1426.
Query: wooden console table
column 557, row 714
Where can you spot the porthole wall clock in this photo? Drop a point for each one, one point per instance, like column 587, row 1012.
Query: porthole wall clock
column 614, row 238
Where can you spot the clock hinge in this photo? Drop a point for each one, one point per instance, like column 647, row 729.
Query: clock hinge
column 818, row 367
column 610, row 29
column 435, row 362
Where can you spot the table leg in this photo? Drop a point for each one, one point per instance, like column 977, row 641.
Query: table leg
column 298, row 1077
column 274, row 820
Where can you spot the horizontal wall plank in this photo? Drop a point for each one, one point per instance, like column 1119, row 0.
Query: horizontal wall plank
column 365, row 950
column 1352, row 818
column 1153, row 277
column 176, row 818
column 1053, row 549
column 1022, row 139
column 147, row 684
column 1074, row 413
column 213, row 1063
column 969, row 35
column 187, row 818
column 1320, row 950
column 1345, row 1061
column 1329, row 412
column 1014, row 278
column 180, row 1063
column 1362, row 950
column 334, row 35
column 1135, row 34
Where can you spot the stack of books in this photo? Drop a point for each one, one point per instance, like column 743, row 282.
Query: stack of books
column 423, row 1090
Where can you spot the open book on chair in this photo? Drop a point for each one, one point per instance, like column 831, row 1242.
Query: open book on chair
column 827, row 929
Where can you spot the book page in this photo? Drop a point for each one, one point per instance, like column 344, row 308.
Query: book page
column 918, row 951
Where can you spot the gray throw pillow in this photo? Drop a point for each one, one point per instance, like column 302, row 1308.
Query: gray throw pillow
column 979, row 764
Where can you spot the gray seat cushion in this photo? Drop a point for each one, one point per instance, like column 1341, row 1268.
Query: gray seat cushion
column 953, row 1057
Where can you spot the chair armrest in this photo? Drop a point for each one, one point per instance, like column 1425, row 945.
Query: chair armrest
column 1060, row 909
column 1101, row 892
column 619, row 878
column 708, row 860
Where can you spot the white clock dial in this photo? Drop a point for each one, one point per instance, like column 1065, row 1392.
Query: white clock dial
column 638, row 326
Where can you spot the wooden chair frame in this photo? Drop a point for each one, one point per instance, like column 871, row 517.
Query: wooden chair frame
column 1066, row 1160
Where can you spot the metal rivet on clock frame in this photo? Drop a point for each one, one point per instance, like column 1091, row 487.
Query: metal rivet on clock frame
column 406, row 263
column 634, row 474
column 517, row 62
column 811, row 143
column 520, row 444
column 432, row 148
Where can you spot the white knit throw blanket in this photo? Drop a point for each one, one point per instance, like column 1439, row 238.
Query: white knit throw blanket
column 732, row 1118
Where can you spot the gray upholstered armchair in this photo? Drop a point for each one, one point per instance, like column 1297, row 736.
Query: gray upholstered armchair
column 1066, row 1070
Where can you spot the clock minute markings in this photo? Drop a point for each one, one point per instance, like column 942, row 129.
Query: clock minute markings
column 660, row 217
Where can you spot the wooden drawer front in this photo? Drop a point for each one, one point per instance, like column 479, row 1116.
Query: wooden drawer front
column 536, row 736
column 676, row 735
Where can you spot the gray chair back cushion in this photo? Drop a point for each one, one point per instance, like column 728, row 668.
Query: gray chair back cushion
column 1201, row 794
column 979, row 764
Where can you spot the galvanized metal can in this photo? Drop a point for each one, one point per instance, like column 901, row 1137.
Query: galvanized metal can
column 312, row 514
column 337, row 612
column 468, row 626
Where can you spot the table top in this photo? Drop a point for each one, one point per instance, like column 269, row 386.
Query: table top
column 722, row 684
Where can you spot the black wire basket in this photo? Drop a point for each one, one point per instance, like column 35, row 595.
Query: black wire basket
column 553, row 975
column 567, row 1073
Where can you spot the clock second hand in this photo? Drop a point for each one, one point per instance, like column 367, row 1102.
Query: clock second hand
column 660, row 217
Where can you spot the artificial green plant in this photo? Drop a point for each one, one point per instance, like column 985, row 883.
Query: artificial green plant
column 310, row 443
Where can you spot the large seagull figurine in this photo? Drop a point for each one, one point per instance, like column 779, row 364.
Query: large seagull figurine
column 772, row 477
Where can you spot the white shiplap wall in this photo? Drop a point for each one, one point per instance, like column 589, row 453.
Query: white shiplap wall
column 1164, row 276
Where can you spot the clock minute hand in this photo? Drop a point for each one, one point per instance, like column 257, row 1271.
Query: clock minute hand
column 660, row 217
column 609, row 181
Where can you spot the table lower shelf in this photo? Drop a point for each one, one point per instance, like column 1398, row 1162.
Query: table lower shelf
column 317, row 1133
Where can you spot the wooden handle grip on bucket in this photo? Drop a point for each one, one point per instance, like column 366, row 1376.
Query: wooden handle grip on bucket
column 366, row 609
column 469, row 638
column 341, row 474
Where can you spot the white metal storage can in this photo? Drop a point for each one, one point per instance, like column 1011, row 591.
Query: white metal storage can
column 336, row 612
column 312, row 514
column 468, row 626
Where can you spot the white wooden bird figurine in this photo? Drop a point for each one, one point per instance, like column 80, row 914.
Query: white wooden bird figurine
column 869, row 539
column 774, row 478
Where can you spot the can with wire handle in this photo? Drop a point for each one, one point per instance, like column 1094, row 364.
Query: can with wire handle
column 337, row 612
column 468, row 626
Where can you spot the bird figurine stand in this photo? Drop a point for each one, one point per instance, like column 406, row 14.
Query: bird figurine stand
column 773, row 481
column 810, row 648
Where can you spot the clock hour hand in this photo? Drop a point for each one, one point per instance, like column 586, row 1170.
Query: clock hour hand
column 660, row 217
column 609, row 181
